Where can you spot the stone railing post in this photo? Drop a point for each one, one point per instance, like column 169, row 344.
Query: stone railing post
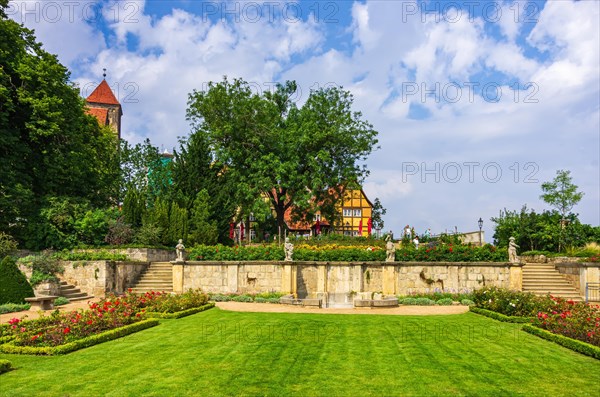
column 515, row 276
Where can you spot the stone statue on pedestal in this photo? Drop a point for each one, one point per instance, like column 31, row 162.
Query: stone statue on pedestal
column 512, row 251
column 289, row 249
column 390, row 250
column 180, row 249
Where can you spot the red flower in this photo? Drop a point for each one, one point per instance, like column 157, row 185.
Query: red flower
column 450, row 249
column 14, row 321
column 89, row 322
column 66, row 330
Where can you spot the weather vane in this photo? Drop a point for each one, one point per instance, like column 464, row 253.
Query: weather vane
column 104, row 74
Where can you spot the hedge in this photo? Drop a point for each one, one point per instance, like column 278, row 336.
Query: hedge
column 573, row 344
column 5, row 366
column 14, row 287
column 182, row 313
column 499, row 316
column 81, row 343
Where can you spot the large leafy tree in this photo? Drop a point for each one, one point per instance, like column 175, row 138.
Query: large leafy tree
column 561, row 193
column 298, row 157
column 49, row 146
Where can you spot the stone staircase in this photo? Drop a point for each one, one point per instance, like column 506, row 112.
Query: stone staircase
column 157, row 277
column 72, row 293
column 543, row 278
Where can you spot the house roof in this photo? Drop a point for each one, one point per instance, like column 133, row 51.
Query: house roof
column 100, row 113
column 103, row 94
column 301, row 225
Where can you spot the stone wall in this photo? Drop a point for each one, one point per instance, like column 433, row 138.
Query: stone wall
column 580, row 274
column 340, row 280
column 98, row 278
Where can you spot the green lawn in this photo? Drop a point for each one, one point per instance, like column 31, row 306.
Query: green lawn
column 227, row 353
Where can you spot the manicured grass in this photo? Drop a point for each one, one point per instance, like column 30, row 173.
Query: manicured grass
column 226, row 353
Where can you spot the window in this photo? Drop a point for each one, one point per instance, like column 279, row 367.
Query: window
column 252, row 235
column 317, row 217
column 347, row 212
column 358, row 213
column 251, row 218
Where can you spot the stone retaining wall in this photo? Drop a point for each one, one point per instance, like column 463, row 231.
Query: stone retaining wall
column 340, row 280
column 580, row 273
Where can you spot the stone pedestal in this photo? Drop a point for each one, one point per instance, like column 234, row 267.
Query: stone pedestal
column 178, row 268
column 389, row 280
column 516, row 277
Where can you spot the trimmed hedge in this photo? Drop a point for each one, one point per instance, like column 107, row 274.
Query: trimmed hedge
column 182, row 313
column 5, row 366
column 499, row 316
column 14, row 287
column 6, row 339
column 573, row 344
column 81, row 343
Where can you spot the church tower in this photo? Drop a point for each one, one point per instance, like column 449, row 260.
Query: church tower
column 103, row 105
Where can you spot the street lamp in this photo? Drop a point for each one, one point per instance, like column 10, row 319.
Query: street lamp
column 480, row 223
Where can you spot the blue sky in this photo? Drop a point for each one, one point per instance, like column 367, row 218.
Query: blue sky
column 476, row 102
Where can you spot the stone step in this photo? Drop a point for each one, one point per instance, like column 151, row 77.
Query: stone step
column 81, row 295
column 144, row 290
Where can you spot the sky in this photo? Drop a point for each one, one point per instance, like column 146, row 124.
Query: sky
column 476, row 102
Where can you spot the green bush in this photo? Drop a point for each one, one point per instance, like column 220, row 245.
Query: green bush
column 61, row 300
column 7, row 244
column 499, row 316
column 95, row 255
column 13, row 307
column 416, row 301
column 14, row 287
column 5, row 366
column 467, row 302
column 573, row 344
column 80, row 343
column 444, row 302
column 45, row 268
column 510, row 303
column 183, row 313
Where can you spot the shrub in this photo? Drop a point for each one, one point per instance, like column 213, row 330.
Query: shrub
column 61, row 300
column 14, row 287
column 5, row 366
column 119, row 232
column 444, row 302
column 510, row 303
column 13, row 307
column 576, row 345
column 45, row 268
column 467, row 302
column 499, row 316
column 424, row 302
column 7, row 244
column 576, row 320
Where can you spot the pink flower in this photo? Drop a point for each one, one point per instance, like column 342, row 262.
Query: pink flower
column 14, row 321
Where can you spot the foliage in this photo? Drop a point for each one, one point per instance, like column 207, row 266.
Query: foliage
column 336, row 253
column 14, row 307
column 14, row 287
column 182, row 313
column 576, row 320
column 49, row 146
column 7, row 244
column 444, row 302
column 165, row 303
column 569, row 343
column 510, row 303
column 499, row 316
column 94, row 255
column 119, row 232
column 467, row 302
column 417, row 301
column 44, row 267
column 5, row 366
column 149, row 235
column 299, row 158
column 203, row 230
column 76, row 344
column 61, row 300
column 543, row 231
column 561, row 193
column 264, row 297
column 440, row 294
column 377, row 215
column 339, row 239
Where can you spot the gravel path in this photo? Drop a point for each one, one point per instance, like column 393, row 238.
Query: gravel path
column 273, row 308
column 396, row 311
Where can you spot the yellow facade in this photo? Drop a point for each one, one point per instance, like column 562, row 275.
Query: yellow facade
column 356, row 207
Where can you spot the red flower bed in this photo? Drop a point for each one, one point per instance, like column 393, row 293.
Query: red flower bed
column 576, row 320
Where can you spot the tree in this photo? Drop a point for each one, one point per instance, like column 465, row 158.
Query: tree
column 14, row 287
column 295, row 157
column 377, row 215
column 49, row 146
column 203, row 230
column 561, row 193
